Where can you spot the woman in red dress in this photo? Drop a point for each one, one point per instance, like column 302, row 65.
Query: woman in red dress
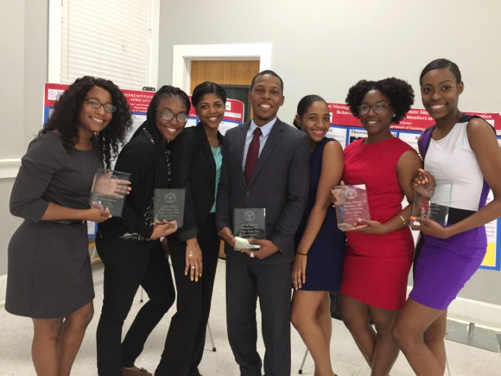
column 379, row 251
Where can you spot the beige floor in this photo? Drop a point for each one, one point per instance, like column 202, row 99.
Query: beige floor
column 16, row 333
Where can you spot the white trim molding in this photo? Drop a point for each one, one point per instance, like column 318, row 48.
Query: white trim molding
column 54, row 50
column 62, row 67
column 154, row 39
column 482, row 314
column 3, row 287
column 183, row 55
column 9, row 168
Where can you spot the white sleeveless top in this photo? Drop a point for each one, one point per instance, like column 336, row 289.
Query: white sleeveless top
column 451, row 159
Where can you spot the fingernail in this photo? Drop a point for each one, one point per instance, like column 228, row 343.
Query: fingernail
column 185, row 273
column 413, row 218
column 191, row 279
column 420, row 170
column 196, row 280
column 426, row 180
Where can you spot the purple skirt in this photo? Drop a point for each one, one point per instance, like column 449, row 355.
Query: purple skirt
column 443, row 266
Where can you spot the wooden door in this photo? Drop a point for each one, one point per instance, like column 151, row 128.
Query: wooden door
column 223, row 72
column 234, row 76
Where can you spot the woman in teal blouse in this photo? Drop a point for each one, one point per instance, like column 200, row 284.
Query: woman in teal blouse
column 194, row 249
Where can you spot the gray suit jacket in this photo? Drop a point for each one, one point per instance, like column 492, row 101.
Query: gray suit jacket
column 279, row 184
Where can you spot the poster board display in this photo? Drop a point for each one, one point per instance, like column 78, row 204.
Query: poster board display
column 346, row 128
column 233, row 115
column 139, row 101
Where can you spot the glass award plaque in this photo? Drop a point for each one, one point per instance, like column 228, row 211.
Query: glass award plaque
column 351, row 205
column 432, row 203
column 248, row 223
column 109, row 189
column 168, row 204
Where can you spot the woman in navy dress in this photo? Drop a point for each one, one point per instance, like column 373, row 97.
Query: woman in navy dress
column 320, row 244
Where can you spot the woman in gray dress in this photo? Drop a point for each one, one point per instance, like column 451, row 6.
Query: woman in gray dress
column 49, row 273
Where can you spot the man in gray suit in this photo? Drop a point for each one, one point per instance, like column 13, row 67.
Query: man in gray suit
column 265, row 165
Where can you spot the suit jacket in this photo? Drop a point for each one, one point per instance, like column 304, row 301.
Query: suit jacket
column 194, row 169
column 279, row 184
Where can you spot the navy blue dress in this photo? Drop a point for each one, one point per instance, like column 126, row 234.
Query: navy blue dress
column 325, row 257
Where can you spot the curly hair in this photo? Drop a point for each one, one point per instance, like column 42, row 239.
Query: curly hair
column 67, row 110
column 399, row 92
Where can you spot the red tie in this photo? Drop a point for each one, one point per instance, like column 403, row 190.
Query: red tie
column 252, row 155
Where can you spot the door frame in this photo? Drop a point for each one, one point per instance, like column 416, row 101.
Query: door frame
column 183, row 55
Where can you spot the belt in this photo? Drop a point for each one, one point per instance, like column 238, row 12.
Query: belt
column 455, row 215
column 70, row 222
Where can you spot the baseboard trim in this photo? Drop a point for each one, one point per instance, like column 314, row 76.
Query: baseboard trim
column 482, row 314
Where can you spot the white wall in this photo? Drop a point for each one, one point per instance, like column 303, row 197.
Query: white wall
column 325, row 46
column 23, row 67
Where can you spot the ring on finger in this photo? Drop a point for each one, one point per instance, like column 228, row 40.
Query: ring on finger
column 252, row 254
column 192, row 267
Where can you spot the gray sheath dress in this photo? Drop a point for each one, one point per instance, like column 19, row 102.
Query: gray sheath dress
column 49, row 273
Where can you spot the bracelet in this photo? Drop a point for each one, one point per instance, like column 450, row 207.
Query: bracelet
column 403, row 220
column 190, row 253
column 302, row 254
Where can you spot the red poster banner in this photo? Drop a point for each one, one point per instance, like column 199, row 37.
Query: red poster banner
column 234, row 111
column 139, row 101
column 416, row 119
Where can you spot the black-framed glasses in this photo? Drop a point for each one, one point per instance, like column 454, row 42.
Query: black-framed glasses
column 94, row 103
column 180, row 117
column 379, row 108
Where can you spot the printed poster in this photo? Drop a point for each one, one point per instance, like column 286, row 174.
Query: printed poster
column 346, row 128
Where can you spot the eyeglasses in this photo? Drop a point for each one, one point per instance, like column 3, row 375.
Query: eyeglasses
column 379, row 108
column 180, row 117
column 108, row 107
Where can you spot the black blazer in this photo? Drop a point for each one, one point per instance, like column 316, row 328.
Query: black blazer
column 194, row 169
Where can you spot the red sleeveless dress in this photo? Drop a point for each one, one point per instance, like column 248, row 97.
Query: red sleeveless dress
column 376, row 267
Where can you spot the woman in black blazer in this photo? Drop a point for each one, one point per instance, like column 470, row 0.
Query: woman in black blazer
column 196, row 166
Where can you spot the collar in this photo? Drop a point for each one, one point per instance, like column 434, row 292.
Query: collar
column 265, row 129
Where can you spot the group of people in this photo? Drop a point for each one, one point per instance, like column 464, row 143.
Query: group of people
column 264, row 163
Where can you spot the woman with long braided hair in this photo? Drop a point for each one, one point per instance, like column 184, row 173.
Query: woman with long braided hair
column 130, row 246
